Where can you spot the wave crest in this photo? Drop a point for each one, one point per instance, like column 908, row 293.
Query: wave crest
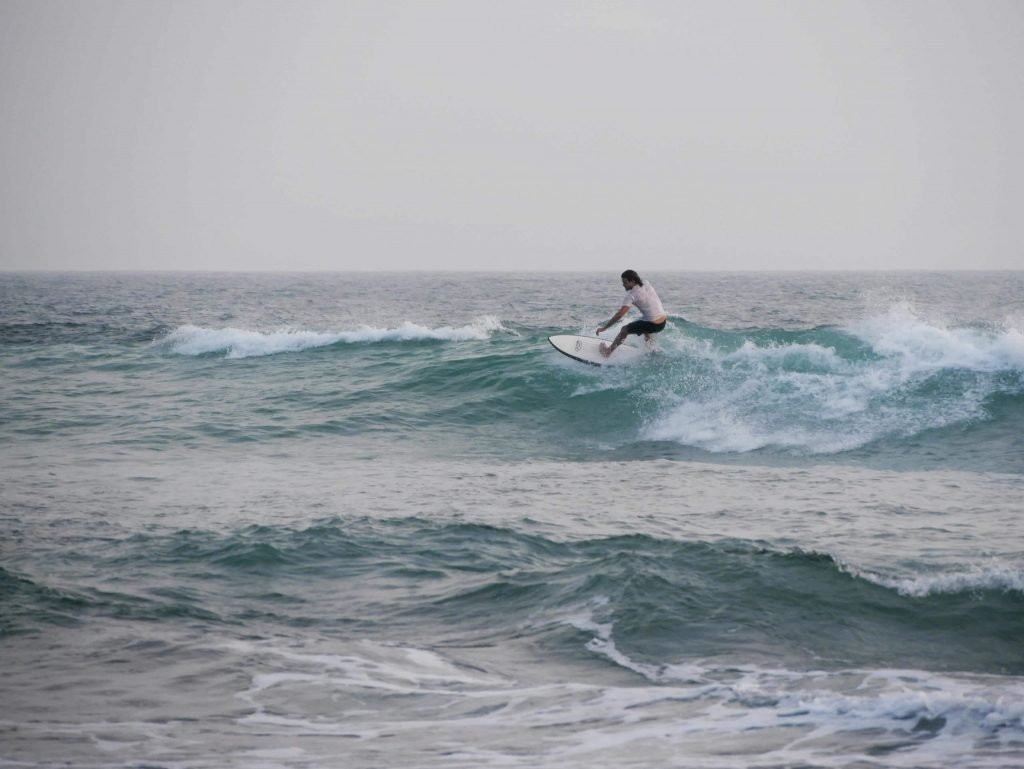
column 965, row 581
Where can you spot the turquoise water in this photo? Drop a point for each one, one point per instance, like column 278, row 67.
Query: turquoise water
column 366, row 520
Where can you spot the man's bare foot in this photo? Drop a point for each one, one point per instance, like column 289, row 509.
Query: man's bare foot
column 605, row 351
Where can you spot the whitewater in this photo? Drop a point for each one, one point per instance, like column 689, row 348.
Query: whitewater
column 361, row 520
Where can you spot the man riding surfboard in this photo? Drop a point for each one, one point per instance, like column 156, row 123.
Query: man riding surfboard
column 644, row 298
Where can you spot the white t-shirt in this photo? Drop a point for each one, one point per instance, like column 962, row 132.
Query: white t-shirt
column 644, row 299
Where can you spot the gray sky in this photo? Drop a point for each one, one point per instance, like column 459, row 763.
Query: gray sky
column 520, row 135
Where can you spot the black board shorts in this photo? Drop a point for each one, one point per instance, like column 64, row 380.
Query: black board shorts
column 644, row 327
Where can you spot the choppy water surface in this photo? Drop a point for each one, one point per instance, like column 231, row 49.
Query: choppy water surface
column 376, row 520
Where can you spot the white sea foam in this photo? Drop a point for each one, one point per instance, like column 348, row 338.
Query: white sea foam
column 486, row 709
column 244, row 343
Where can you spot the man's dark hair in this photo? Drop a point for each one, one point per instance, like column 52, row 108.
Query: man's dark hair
column 631, row 275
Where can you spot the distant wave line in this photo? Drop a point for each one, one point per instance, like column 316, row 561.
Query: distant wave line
column 245, row 343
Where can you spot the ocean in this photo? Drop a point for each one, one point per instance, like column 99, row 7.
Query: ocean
column 364, row 520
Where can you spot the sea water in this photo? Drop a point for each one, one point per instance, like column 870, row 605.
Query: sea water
column 375, row 520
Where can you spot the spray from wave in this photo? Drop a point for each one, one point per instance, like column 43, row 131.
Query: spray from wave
column 832, row 390
column 243, row 343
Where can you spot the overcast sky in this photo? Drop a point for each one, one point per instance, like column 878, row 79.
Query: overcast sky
column 513, row 134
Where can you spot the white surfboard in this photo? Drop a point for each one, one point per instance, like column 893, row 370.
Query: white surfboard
column 586, row 349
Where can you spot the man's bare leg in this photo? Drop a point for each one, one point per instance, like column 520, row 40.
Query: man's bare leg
column 607, row 350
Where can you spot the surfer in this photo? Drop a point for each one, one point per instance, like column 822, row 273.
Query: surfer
column 643, row 296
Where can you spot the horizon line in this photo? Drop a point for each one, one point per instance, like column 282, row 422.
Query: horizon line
column 240, row 271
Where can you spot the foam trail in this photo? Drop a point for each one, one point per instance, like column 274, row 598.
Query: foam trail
column 834, row 703
column 242, row 343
